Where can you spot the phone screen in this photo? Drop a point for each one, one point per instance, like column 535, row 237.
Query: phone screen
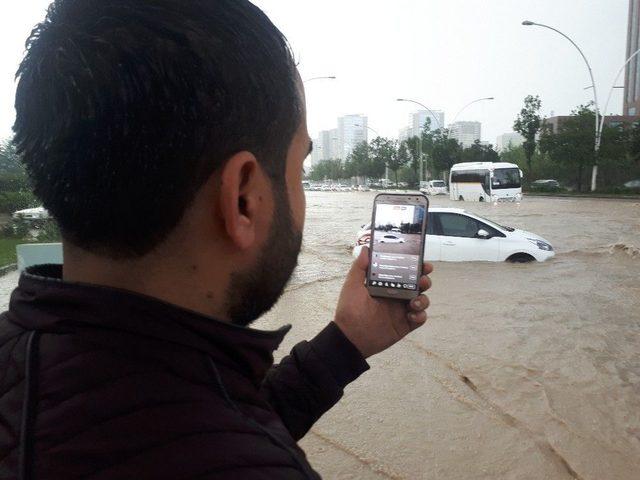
column 395, row 246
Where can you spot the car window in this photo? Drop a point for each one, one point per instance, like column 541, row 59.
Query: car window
column 456, row 225
column 431, row 224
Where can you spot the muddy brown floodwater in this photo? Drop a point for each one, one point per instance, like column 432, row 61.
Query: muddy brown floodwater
column 522, row 372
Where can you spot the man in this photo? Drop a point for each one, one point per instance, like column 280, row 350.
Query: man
column 167, row 138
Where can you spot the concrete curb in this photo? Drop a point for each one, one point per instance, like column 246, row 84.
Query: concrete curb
column 8, row 268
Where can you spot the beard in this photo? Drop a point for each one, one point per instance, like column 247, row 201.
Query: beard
column 254, row 292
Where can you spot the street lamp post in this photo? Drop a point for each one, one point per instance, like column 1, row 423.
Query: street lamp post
column 424, row 167
column 594, row 172
column 469, row 104
column 319, row 78
column 613, row 87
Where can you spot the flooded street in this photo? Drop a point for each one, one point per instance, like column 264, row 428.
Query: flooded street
column 524, row 371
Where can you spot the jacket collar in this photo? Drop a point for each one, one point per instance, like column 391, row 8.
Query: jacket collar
column 43, row 301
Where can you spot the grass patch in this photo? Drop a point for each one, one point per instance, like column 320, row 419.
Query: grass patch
column 8, row 250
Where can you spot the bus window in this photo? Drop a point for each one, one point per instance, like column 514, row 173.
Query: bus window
column 506, row 178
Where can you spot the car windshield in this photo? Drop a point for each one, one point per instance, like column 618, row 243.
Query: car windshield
column 505, row 178
column 438, row 183
column 494, row 224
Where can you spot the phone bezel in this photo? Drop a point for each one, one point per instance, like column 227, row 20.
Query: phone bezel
column 397, row 199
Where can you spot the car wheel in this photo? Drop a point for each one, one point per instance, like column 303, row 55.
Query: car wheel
column 520, row 258
column 460, row 198
column 481, row 199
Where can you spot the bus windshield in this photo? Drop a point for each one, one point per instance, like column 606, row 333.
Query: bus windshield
column 505, row 178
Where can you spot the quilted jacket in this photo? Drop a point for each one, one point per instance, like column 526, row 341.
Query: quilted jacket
column 99, row 383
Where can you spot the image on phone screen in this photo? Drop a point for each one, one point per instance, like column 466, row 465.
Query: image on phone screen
column 395, row 246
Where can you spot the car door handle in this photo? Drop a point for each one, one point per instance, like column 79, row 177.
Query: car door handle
column 449, row 244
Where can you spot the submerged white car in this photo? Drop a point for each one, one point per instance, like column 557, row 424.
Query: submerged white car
column 38, row 213
column 454, row 235
column 389, row 238
column 434, row 187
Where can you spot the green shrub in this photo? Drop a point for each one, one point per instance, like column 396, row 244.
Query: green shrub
column 10, row 201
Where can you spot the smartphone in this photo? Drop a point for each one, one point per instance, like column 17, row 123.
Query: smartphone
column 396, row 251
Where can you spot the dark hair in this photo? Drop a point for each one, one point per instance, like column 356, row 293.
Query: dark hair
column 125, row 108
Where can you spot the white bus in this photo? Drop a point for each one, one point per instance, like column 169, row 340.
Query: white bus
column 485, row 182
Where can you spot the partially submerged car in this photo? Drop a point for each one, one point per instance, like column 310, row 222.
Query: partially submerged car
column 434, row 187
column 455, row 235
column 37, row 213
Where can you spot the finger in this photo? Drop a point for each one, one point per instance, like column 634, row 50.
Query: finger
column 358, row 269
column 424, row 284
column 427, row 268
column 421, row 302
column 416, row 319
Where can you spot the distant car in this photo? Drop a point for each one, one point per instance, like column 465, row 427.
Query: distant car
column 37, row 213
column 633, row 184
column 388, row 238
column 455, row 235
column 363, row 188
column 434, row 187
column 548, row 184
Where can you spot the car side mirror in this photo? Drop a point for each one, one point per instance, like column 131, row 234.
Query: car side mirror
column 482, row 233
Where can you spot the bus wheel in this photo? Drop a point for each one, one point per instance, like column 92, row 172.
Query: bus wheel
column 460, row 198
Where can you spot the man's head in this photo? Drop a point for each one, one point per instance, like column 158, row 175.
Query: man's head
column 131, row 114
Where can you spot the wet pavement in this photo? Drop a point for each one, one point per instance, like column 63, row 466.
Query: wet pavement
column 523, row 371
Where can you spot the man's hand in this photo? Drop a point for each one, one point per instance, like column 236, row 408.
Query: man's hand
column 374, row 324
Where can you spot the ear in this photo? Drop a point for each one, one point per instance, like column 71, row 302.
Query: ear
column 243, row 191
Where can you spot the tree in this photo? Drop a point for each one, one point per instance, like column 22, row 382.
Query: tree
column 572, row 146
column 413, row 147
column 9, row 159
column 358, row 163
column 403, row 157
column 328, row 170
column 528, row 125
column 633, row 143
column 384, row 152
column 479, row 153
column 443, row 151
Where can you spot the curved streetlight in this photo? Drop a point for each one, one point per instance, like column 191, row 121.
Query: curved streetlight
column 613, row 87
column 440, row 127
column 594, row 173
column 423, row 106
column 469, row 104
column 319, row 78
column 369, row 128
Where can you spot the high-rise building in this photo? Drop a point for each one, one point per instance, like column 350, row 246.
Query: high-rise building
column 352, row 130
column 632, row 76
column 418, row 119
column 325, row 147
column 465, row 132
column 508, row 140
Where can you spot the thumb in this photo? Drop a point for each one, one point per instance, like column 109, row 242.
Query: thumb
column 359, row 267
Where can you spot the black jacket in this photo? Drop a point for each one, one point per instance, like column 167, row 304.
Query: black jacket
column 122, row 386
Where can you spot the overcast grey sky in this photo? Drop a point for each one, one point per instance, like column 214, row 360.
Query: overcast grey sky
column 443, row 53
